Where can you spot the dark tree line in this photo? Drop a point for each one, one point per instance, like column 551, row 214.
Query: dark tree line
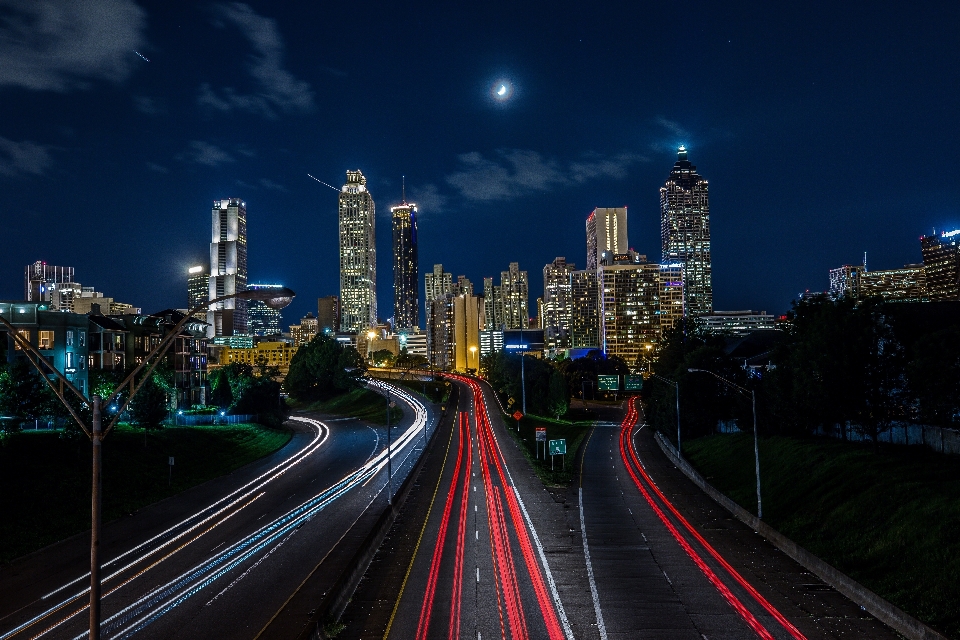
column 322, row 369
column 863, row 366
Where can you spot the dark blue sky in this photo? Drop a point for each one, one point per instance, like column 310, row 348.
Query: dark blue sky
column 825, row 131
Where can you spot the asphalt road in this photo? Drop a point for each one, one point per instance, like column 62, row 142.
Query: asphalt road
column 479, row 567
column 667, row 562
column 220, row 559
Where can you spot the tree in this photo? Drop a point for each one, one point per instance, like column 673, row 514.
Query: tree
column 23, row 394
column 408, row 361
column 934, row 377
column 149, row 406
column 322, row 369
column 558, row 399
column 382, row 358
column 221, row 393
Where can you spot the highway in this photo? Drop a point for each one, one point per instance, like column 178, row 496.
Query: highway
column 221, row 559
column 667, row 562
column 479, row 569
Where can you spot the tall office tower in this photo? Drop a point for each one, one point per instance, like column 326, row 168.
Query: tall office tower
column 941, row 264
column 441, row 331
column 228, row 267
column 606, row 234
column 406, row 272
column 358, row 255
column 464, row 285
column 685, row 232
column 630, row 324
column 907, row 284
column 467, row 321
column 42, row 279
column 328, row 314
column 585, row 309
column 261, row 319
column 557, row 306
column 671, row 296
column 437, row 283
column 492, row 305
column 845, row 281
column 198, row 290
column 514, row 289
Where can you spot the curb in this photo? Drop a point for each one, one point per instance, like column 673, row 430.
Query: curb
column 879, row 608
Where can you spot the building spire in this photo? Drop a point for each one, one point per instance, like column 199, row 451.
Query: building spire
column 403, row 190
column 681, row 153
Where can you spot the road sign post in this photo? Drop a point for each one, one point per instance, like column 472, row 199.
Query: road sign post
column 558, row 448
column 170, row 477
column 541, row 437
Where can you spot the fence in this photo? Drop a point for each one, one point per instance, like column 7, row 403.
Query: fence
column 940, row 439
column 209, row 418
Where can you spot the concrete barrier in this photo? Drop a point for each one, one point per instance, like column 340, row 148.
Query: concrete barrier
column 881, row 609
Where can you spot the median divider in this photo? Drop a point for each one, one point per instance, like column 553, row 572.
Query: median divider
column 883, row 610
column 336, row 600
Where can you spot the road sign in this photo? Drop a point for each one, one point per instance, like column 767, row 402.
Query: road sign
column 632, row 383
column 171, row 461
column 392, row 404
column 608, row 383
column 558, row 447
column 510, row 401
column 517, row 415
column 541, row 434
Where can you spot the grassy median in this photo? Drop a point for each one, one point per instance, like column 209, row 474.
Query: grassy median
column 560, row 470
column 889, row 519
column 359, row 403
column 45, row 479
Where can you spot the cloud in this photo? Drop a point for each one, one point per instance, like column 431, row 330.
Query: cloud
column 516, row 172
column 278, row 89
column 23, row 157
column 205, row 153
column 270, row 184
column 58, row 45
column 149, row 106
column 428, row 199
column 673, row 127
column 153, row 166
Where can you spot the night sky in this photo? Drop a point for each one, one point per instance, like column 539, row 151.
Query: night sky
column 825, row 131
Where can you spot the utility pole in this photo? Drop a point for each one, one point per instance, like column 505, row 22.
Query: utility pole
column 96, row 504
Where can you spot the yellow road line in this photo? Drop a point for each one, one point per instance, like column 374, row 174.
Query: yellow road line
column 393, row 614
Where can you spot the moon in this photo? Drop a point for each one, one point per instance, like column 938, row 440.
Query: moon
column 501, row 90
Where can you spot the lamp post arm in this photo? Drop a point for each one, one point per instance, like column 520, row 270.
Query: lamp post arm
column 143, row 380
column 26, row 345
column 79, row 421
column 745, row 392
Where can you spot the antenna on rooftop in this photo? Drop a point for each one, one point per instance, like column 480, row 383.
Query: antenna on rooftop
column 403, row 190
column 864, row 260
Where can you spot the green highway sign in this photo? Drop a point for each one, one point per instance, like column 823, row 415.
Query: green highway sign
column 558, row 447
column 632, row 383
column 608, row 383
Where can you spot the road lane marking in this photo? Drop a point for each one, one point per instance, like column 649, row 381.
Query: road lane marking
column 593, row 584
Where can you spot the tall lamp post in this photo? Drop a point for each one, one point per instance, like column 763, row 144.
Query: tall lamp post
column 756, row 447
column 676, row 386
column 275, row 299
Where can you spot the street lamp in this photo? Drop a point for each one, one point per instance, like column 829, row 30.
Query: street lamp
column 676, row 386
column 756, row 447
column 273, row 298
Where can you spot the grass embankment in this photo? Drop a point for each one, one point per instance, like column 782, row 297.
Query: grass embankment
column 46, row 479
column 573, row 431
column 436, row 392
column 890, row 520
column 362, row 404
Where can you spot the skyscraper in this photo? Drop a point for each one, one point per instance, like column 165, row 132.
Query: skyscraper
column 358, row 255
column 845, row 281
column 406, row 272
column 437, row 283
column 557, row 309
column 514, row 287
column 941, row 265
column 261, row 319
column 492, row 305
column 228, row 267
column 685, row 232
column 328, row 314
column 606, row 234
column 629, row 299
column 585, row 309
column 198, row 290
column 42, row 279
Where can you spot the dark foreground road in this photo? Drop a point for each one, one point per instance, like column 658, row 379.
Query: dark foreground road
column 668, row 562
column 218, row 561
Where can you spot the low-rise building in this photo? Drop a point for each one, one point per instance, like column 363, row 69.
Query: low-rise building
column 738, row 323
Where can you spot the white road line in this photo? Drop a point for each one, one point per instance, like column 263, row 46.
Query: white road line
column 593, row 585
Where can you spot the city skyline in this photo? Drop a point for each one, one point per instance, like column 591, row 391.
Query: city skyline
column 517, row 177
